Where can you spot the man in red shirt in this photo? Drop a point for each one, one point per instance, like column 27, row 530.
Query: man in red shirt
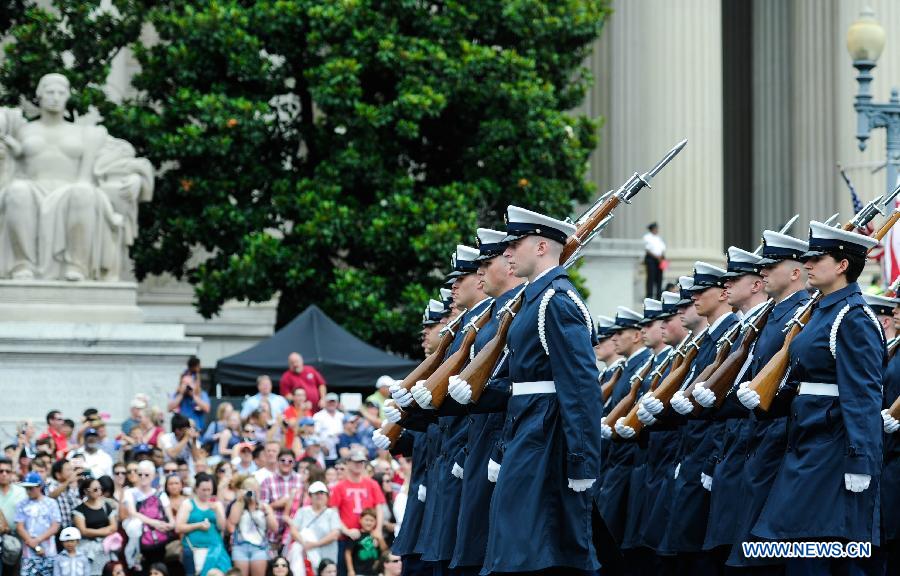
column 299, row 376
column 55, row 422
column 356, row 492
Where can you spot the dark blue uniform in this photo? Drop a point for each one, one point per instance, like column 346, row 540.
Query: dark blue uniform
column 611, row 495
column 447, row 488
column 768, row 435
column 890, row 483
column 637, row 508
column 700, row 443
column 485, row 424
column 536, row 521
column 728, row 470
column 414, row 443
column 830, row 436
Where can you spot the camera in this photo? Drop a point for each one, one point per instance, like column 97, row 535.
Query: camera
column 248, row 495
column 189, row 390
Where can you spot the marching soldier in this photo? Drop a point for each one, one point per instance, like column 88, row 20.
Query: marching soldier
column 700, row 438
column 605, row 350
column 444, row 487
column 640, row 557
column 485, row 420
column 611, row 496
column 784, row 279
column 551, row 457
column 745, row 291
column 828, row 483
column 434, row 318
column 890, row 483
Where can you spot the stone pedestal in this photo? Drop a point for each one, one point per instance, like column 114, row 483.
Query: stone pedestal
column 613, row 273
column 71, row 346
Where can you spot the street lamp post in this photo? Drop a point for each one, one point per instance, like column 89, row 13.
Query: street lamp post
column 865, row 41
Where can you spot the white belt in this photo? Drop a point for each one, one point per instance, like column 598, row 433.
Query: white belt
column 542, row 387
column 818, row 389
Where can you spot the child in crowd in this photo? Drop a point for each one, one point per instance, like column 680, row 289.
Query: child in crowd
column 362, row 554
column 71, row 562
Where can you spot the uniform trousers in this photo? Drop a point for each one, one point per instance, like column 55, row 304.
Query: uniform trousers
column 414, row 566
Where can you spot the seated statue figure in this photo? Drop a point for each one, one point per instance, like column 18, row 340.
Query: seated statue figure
column 68, row 193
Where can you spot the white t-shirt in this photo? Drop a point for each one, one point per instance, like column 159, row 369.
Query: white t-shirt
column 328, row 427
column 320, row 524
column 99, row 463
column 134, row 496
column 168, row 440
column 654, row 244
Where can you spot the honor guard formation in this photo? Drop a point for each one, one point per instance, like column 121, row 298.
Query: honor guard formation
column 746, row 423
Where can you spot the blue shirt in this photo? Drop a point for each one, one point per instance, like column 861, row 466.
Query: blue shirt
column 189, row 408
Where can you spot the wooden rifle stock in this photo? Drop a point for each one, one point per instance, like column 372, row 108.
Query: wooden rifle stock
column 427, row 367
column 892, row 348
column 894, row 410
column 439, row 380
column 481, row 368
column 721, row 381
column 629, row 399
column 606, row 389
column 767, row 381
column 584, row 230
column 665, row 390
column 721, row 354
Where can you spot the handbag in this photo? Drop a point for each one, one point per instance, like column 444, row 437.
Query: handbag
column 112, row 543
column 12, row 549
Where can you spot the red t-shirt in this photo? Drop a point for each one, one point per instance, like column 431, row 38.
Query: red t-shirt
column 351, row 498
column 290, row 414
column 59, row 439
column 309, row 379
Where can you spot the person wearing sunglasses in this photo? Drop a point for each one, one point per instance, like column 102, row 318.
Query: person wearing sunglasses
column 283, row 491
column 143, row 506
column 391, row 564
column 279, row 567
column 96, row 519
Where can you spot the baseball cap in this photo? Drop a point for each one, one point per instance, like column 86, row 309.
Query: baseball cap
column 142, row 449
column 91, row 432
column 32, row 480
column 70, row 533
column 317, row 487
column 331, row 396
column 138, row 403
column 312, row 440
column 384, row 381
column 240, row 446
column 307, row 422
column 358, row 455
column 350, row 417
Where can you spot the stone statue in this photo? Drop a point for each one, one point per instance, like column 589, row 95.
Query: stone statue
column 68, row 193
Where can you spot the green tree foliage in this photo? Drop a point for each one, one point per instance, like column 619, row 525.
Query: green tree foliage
column 332, row 151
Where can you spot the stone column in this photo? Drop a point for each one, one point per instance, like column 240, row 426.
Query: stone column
column 772, row 149
column 665, row 84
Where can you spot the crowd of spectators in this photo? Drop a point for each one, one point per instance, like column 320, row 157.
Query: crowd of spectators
column 286, row 484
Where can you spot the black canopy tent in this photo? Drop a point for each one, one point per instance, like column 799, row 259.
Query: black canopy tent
column 344, row 360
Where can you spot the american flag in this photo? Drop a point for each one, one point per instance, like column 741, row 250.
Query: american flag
column 890, row 263
column 878, row 252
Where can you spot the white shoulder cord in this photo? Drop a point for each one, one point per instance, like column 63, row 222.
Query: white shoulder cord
column 542, row 318
column 832, row 340
column 583, row 308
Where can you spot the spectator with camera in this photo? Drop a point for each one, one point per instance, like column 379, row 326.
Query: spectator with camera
column 55, row 425
column 281, row 491
column 249, row 520
column 63, row 487
column 98, row 462
column 190, row 400
column 181, row 442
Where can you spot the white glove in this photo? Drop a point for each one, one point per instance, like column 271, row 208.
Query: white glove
column 623, row 430
column 605, row 430
column 460, row 390
column 749, row 398
column 392, row 413
column 706, row 481
column 652, row 404
column 421, row 395
column 457, row 471
column 857, row 482
column 400, row 395
column 677, row 470
column 422, row 491
column 891, row 424
column 493, row 471
column 380, row 440
column 645, row 416
column 704, row 396
column 581, row 485
column 681, row 404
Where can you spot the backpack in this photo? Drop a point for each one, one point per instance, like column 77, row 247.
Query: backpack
column 151, row 538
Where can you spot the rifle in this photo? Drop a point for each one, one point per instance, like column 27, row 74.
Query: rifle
column 427, row 367
column 721, row 380
column 892, row 346
column 629, row 399
column 894, row 410
column 439, row 381
column 688, row 351
column 767, row 382
column 723, row 348
column 606, row 389
column 588, row 225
